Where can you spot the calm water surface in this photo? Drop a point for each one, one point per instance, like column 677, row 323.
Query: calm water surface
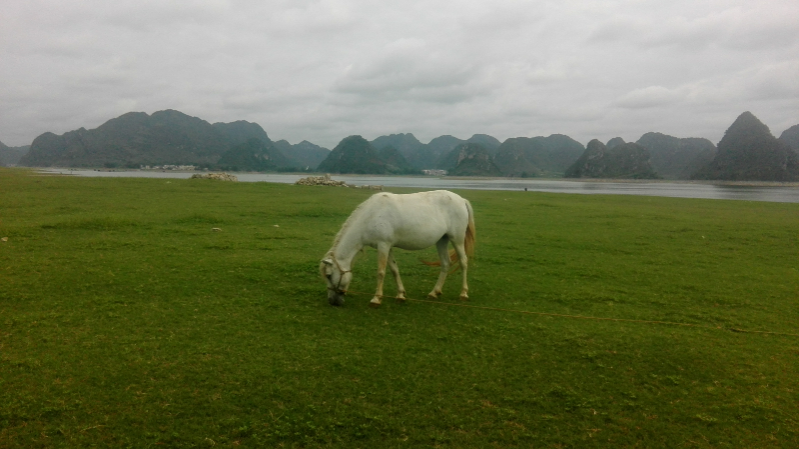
column 782, row 194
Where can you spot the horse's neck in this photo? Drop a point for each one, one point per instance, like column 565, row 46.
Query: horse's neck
column 347, row 246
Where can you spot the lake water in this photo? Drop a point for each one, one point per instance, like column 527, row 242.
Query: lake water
column 782, row 194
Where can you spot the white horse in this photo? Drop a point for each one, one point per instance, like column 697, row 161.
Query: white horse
column 412, row 222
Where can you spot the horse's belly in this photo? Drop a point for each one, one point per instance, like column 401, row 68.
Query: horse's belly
column 419, row 240
column 414, row 246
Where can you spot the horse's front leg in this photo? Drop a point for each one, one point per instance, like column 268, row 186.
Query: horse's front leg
column 443, row 256
column 382, row 260
column 395, row 270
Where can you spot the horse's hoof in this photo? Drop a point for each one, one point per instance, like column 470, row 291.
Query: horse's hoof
column 464, row 297
column 374, row 305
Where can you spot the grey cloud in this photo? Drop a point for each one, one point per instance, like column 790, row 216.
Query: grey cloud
column 407, row 69
column 648, row 97
column 778, row 81
column 774, row 81
column 409, row 82
column 323, row 69
column 312, row 17
column 751, row 27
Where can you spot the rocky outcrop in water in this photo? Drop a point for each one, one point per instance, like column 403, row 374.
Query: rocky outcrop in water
column 329, row 182
column 215, row 176
column 320, row 181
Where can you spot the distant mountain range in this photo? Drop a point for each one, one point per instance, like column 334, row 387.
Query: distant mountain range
column 304, row 155
column 431, row 156
column 472, row 159
column 790, row 137
column 354, row 154
column 253, row 155
column 675, row 158
column 617, row 160
column 10, row 156
column 748, row 151
column 538, row 156
column 165, row 137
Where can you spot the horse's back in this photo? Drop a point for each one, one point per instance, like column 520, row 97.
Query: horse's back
column 416, row 220
column 432, row 203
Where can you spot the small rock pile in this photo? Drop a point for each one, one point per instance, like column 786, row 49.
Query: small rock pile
column 327, row 181
column 217, row 176
column 321, row 181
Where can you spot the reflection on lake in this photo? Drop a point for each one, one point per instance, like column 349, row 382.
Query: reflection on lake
column 782, row 194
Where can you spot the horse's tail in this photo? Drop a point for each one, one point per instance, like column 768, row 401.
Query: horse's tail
column 468, row 241
column 471, row 232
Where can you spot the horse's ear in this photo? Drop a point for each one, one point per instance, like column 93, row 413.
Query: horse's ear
column 328, row 262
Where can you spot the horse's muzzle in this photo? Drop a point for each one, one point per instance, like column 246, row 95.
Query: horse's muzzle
column 336, row 300
column 335, row 297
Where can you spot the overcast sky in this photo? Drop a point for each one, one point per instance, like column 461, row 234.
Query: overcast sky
column 324, row 70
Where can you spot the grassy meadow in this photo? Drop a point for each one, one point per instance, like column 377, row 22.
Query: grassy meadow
column 126, row 321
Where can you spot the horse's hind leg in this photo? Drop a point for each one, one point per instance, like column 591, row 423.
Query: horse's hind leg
column 392, row 264
column 464, row 261
column 443, row 256
column 383, row 253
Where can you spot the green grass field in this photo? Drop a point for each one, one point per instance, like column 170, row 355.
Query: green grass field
column 125, row 321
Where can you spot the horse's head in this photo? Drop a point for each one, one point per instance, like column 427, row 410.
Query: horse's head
column 337, row 280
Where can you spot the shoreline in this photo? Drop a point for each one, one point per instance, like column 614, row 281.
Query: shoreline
column 721, row 182
column 633, row 181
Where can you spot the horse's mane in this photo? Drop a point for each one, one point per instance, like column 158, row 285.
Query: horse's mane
column 353, row 216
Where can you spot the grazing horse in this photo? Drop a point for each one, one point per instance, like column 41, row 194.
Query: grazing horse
column 412, row 222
